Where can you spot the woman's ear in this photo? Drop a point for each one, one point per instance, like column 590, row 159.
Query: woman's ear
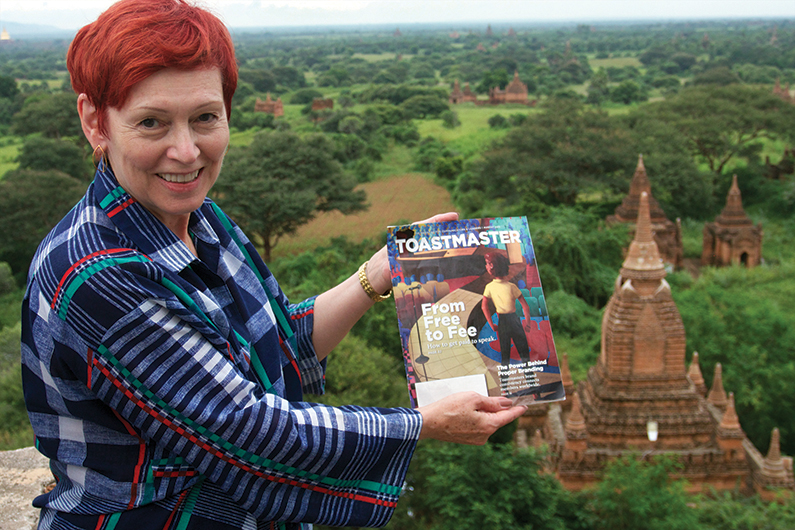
column 89, row 121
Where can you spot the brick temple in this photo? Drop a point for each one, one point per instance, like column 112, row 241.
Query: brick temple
column 667, row 234
column 269, row 106
column 732, row 239
column 514, row 92
column 462, row 96
column 642, row 399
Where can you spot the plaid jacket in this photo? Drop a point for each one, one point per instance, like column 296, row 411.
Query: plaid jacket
column 167, row 390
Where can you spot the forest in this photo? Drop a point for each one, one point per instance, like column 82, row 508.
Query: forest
column 700, row 101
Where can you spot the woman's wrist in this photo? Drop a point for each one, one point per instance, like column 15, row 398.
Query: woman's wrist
column 375, row 294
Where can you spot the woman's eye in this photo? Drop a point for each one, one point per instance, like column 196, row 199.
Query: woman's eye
column 206, row 117
column 149, row 123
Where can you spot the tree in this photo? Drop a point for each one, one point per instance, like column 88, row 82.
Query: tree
column 460, row 487
column 261, row 80
column 31, row 203
column 53, row 115
column 424, row 107
column 577, row 253
column 635, row 494
column 721, row 75
column 498, row 78
column 742, row 319
column 722, row 122
column 280, row 182
column 304, row 96
column 8, row 87
column 362, row 375
column 450, row 119
column 598, row 90
column 498, row 121
column 627, row 92
column 729, row 511
column 42, row 154
column 553, row 157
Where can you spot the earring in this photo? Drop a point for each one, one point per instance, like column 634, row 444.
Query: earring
column 99, row 154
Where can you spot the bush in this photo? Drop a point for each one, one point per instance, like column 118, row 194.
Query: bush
column 424, row 107
column 461, row 487
column 638, row 494
column 498, row 121
column 304, row 96
column 7, row 282
column 450, row 119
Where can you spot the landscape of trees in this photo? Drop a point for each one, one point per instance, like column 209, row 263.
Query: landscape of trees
column 695, row 99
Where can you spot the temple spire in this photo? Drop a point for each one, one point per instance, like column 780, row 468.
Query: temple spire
column 773, row 465
column 733, row 213
column 643, row 255
column 730, row 421
column 717, row 395
column 694, row 373
column 575, row 423
column 640, row 179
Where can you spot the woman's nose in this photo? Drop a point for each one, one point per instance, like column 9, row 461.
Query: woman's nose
column 184, row 147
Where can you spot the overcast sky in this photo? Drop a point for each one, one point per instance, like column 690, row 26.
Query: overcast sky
column 72, row 14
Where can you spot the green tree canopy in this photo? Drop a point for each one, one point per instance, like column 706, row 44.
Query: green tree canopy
column 280, row 182
column 8, row 87
column 495, row 486
column 552, row 157
column 42, row 154
column 723, row 122
column 53, row 115
column 635, row 494
column 742, row 318
column 31, row 204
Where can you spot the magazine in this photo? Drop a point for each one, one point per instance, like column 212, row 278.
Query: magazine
column 471, row 311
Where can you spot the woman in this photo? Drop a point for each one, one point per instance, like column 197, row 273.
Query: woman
column 163, row 367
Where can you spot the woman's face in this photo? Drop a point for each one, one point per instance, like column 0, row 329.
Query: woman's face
column 167, row 143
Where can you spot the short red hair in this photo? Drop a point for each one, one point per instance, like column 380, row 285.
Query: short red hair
column 133, row 39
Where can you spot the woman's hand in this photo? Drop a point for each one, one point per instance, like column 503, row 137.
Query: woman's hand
column 467, row 417
column 378, row 266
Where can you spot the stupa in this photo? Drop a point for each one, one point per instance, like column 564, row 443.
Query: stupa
column 732, row 239
column 667, row 234
column 641, row 399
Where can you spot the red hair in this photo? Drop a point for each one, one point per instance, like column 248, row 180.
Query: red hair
column 133, row 39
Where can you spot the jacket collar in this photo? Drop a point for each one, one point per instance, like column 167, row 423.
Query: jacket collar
column 148, row 233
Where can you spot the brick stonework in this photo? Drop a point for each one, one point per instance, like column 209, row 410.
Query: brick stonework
column 732, row 239
column 641, row 376
column 667, row 234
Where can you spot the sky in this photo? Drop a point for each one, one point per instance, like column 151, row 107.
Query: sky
column 72, row 14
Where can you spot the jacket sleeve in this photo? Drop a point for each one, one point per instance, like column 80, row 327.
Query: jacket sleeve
column 167, row 372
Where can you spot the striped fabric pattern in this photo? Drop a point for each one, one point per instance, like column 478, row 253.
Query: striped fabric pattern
column 168, row 390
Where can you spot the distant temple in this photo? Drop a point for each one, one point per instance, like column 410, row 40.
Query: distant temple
column 732, row 239
column 319, row 104
column 462, row 96
column 667, row 234
column 515, row 92
column 4, row 35
column 269, row 106
column 641, row 399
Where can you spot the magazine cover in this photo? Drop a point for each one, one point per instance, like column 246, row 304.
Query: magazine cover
column 471, row 311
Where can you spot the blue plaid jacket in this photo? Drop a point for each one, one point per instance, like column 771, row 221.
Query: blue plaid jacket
column 167, row 390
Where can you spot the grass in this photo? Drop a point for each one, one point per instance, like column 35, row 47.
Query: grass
column 474, row 134
column 401, row 198
column 9, row 149
column 378, row 57
column 396, row 161
column 617, row 62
